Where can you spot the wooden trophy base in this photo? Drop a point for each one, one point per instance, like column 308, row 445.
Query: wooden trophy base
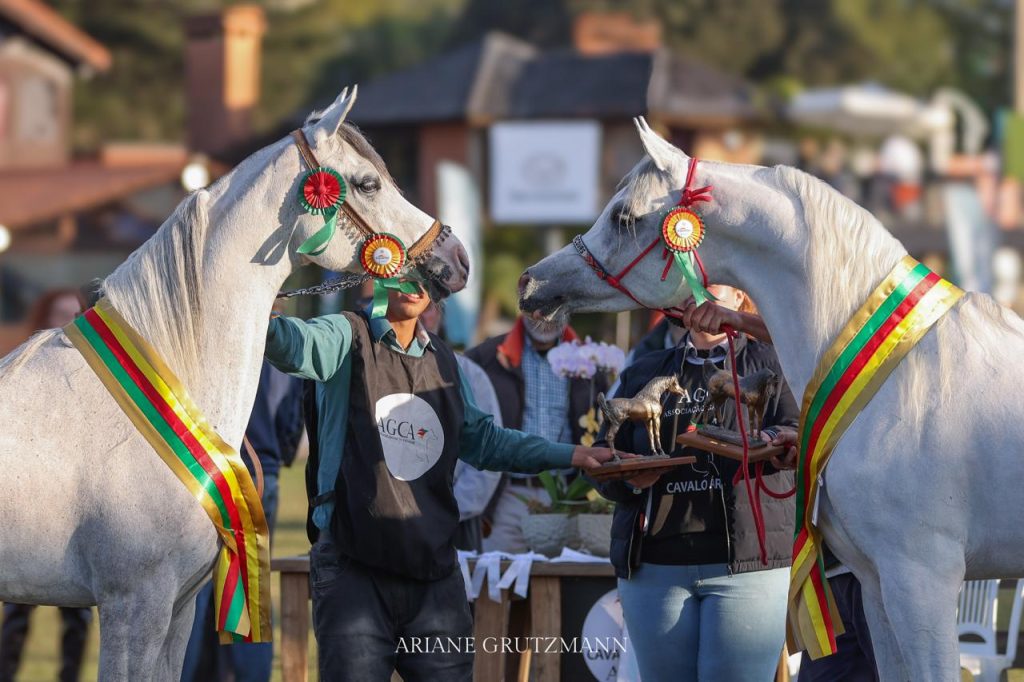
column 702, row 441
column 628, row 468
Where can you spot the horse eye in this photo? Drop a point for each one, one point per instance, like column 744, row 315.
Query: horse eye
column 367, row 185
column 623, row 218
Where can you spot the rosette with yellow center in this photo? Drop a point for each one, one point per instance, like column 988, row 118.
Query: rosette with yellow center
column 682, row 230
column 382, row 255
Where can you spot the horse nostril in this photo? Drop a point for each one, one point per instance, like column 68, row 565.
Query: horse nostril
column 524, row 279
column 463, row 259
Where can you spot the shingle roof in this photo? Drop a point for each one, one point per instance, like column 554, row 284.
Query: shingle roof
column 502, row 77
column 50, row 28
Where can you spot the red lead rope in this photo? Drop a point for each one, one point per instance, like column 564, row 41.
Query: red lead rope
column 753, row 492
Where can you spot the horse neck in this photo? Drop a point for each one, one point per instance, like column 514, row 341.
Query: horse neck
column 655, row 388
column 811, row 290
column 208, row 314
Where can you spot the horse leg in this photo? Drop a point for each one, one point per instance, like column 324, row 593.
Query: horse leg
column 652, row 430
column 172, row 655
column 887, row 653
column 133, row 627
column 920, row 601
column 613, row 429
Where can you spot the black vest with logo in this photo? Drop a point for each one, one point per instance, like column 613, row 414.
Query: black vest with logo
column 394, row 507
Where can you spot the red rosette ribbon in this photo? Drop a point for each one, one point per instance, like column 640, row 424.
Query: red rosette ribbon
column 322, row 190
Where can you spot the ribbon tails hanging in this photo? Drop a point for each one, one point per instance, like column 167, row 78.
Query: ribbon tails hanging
column 682, row 231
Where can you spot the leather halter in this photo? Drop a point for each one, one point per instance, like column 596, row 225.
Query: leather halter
column 436, row 234
column 688, row 198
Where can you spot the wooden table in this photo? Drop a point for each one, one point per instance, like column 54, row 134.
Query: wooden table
column 491, row 620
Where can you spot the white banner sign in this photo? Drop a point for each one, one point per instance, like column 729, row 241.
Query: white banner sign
column 545, row 171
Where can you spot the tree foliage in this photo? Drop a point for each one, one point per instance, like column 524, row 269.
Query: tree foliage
column 313, row 47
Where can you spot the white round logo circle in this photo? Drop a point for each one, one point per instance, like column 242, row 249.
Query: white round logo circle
column 604, row 640
column 410, row 435
column 382, row 255
column 684, row 228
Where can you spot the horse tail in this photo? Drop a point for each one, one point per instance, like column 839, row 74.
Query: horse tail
column 603, row 404
column 10, row 364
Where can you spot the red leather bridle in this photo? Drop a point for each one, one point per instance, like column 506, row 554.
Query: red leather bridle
column 689, row 197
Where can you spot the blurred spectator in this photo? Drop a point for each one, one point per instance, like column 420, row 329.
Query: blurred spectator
column 901, row 165
column 274, row 430
column 535, row 400
column 474, row 488
column 53, row 309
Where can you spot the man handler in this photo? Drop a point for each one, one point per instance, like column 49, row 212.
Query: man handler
column 394, row 415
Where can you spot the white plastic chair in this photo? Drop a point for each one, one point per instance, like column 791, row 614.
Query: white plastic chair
column 976, row 615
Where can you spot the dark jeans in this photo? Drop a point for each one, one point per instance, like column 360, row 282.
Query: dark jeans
column 205, row 658
column 72, row 643
column 369, row 623
column 854, row 660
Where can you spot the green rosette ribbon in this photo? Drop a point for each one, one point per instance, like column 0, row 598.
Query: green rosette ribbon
column 322, row 192
column 684, row 261
column 381, row 287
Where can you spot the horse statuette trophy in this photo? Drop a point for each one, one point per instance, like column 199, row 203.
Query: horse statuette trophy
column 755, row 391
column 645, row 407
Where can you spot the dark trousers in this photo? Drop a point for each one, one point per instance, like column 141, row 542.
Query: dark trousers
column 72, row 644
column 854, row 660
column 369, row 623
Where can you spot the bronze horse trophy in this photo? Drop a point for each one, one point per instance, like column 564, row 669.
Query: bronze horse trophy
column 756, row 391
column 644, row 407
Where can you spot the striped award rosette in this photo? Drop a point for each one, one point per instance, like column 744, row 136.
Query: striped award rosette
column 160, row 408
column 895, row 317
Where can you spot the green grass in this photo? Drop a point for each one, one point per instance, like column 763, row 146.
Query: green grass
column 42, row 651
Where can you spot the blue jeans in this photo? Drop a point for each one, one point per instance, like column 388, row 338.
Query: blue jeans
column 700, row 623
column 250, row 662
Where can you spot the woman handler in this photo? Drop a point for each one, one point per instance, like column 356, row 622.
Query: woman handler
column 697, row 599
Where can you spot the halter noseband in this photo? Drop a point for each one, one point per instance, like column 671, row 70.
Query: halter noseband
column 689, row 197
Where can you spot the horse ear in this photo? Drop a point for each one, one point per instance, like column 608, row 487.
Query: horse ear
column 334, row 115
column 662, row 152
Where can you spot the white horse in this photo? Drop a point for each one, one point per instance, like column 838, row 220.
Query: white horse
column 923, row 489
column 89, row 514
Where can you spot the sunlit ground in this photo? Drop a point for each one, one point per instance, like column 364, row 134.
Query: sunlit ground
column 42, row 655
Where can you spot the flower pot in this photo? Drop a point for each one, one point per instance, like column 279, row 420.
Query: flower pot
column 594, row 533
column 547, row 534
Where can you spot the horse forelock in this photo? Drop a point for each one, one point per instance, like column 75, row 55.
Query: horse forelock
column 644, row 183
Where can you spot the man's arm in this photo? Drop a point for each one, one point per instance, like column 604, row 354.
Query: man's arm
column 493, row 448
column 312, row 349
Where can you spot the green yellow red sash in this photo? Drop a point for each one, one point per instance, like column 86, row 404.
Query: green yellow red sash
column 160, row 408
column 895, row 317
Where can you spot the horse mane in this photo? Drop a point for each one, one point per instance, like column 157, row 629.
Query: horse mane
column 841, row 238
column 158, row 290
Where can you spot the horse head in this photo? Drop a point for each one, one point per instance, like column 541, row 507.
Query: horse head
column 732, row 207
column 373, row 195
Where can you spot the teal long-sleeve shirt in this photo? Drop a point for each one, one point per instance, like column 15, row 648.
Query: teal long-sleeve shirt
column 319, row 349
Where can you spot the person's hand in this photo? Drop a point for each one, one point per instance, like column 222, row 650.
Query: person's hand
column 588, row 458
column 709, row 317
column 786, row 437
column 644, row 480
